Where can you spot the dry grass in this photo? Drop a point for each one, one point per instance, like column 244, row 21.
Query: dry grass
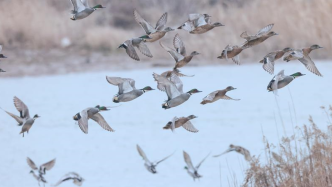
column 39, row 24
column 305, row 160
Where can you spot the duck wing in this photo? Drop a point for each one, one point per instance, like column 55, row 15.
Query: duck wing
column 141, row 152
column 22, row 108
column 174, row 54
column 268, row 62
column 229, row 98
column 164, row 159
column 47, row 166
column 144, row 24
column 211, row 96
column 101, row 121
column 31, row 164
column 178, row 45
column 177, row 82
column 78, row 6
column 187, row 159
column 310, row 65
column 143, row 48
column 265, row 30
column 202, row 161
column 167, row 86
column 125, row 84
column 85, row 3
column 68, row 176
column 161, row 22
column 276, row 79
column 83, row 121
column 189, row 127
column 130, row 50
column 17, row 118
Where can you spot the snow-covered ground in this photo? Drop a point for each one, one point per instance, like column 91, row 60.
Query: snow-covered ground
column 111, row 159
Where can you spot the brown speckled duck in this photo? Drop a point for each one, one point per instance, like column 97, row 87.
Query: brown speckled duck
column 154, row 33
column 219, row 94
column 179, row 53
column 231, row 52
column 258, row 38
column 182, row 122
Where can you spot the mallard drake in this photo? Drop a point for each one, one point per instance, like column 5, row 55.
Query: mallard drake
column 42, row 170
column 129, row 45
column 179, row 53
column 258, row 38
column 77, row 179
column 182, row 122
column 173, row 89
column 280, row 81
column 199, row 24
column 150, row 166
column 192, row 171
column 82, row 9
column 219, row 94
column 237, row 149
column 127, row 90
column 24, row 119
column 154, row 33
column 231, row 52
column 268, row 60
column 303, row 56
column 92, row 113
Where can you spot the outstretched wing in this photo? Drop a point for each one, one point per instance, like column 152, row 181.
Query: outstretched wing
column 141, row 152
column 125, row 84
column 177, row 82
column 265, row 30
column 31, row 164
column 229, row 98
column 211, row 96
column 268, row 64
column 144, row 49
column 85, row 3
column 277, row 78
column 174, row 54
column 17, row 118
column 102, row 122
column 202, row 161
column 78, row 6
column 22, row 108
column 187, row 159
column 83, row 121
column 178, row 45
column 130, row 50
column 47, row 166
column 310, row 65
column 161, row 22
column 144, row 24
column 164, row 159
column 189, row 127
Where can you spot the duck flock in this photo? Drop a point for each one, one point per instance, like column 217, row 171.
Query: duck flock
column 168, row 81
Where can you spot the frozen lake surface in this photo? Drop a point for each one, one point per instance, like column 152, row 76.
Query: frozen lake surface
column 110, row 159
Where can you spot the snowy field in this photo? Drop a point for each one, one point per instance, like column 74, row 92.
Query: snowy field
column 110, row 159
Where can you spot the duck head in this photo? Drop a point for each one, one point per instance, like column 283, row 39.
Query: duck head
column 36, row 116
column 193, row 91
column 31, row 172
column 297, row 74
column 313, row 47
column 77, row 117
column 102, row 108
column 147, row 88
column 272, row 33
column 168, row 29
column 229, row 88
column 194, row 53
column 287, row 49
column 1, row 70
column 185, row 167
column 2, row 56
column 217, row 24
column 97, row 6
